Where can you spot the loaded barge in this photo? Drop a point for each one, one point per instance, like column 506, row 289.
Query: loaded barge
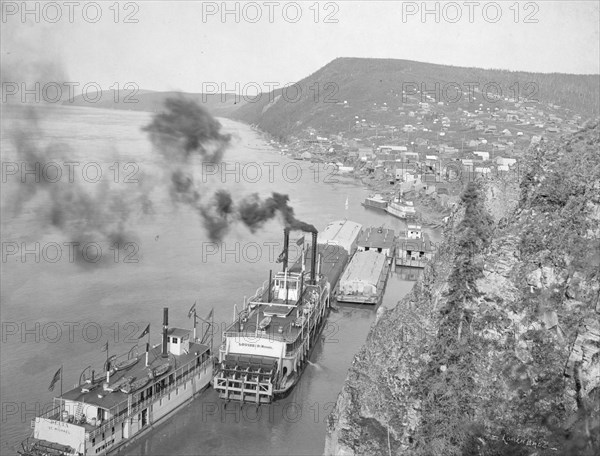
column 134, row 392
column 364, row 281
column 265, row 349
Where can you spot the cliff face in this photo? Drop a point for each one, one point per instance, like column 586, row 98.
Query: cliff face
column 514, row 370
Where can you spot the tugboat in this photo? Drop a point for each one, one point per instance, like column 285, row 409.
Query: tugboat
column 136, row 391
column 266, row 347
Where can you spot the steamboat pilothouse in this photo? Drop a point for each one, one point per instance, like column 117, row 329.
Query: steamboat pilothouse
column 266, row 347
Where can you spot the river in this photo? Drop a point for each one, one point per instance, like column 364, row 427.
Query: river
column 62, row 312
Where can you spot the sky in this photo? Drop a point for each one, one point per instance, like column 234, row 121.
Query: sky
column 190, row 45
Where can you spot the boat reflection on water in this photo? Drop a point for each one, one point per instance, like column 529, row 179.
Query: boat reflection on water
column 410, row 274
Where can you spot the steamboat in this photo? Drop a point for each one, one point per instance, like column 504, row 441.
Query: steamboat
column 402, row 208
column 266, row 347
column 135, row 391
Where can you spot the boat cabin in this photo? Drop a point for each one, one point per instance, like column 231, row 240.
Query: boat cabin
column 378, row 239
column 414, row 247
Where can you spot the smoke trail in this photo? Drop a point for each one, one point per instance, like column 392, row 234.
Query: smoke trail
column 254, row 212
column 84, row 217
column 251, row 210
column 185, row 127
column 182, row 129
column 217, row 215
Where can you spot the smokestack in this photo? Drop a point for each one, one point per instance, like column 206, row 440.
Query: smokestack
column 313, row 259
column 165, row 329
column 286, row 245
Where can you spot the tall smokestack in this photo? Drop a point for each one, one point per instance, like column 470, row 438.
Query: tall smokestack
column 313, row 259
column 286, row 246
column 165, row 329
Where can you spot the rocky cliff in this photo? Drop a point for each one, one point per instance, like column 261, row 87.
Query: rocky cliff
column 496, row 351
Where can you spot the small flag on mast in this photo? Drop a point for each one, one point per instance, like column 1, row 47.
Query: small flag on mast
column 105, row 347
column 300, row 241
column 281, row 257
column 146, row 331
column 192, row 310
column 56, row 378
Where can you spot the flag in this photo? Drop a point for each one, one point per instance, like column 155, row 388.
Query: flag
column 281, row 257
column 105, row 347
column 300, row 241
column 56, row 377
column 210, row 314
column 146, row 331
column 192, row 310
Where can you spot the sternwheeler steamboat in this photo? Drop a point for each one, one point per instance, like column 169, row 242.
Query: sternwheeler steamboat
column 266, row 347
column 133, row 393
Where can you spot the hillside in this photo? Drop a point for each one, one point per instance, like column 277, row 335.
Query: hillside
column 146, row 100
column 496, row 351
column 331, row 98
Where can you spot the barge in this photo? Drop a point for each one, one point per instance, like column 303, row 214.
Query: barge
column 133, row 393
column 363, row 282
column 266, row 348
column 375, row 202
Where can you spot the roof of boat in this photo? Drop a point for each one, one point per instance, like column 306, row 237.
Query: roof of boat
column 364, row 267
column 377, row 237
column 137, row 371
column 340, row 232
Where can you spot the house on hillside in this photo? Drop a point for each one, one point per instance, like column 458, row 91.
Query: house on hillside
column 482, row 155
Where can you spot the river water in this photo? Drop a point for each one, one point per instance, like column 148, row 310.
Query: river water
column 62, row 312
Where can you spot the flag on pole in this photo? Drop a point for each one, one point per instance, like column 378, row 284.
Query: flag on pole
column 146, row 331
column 210, row 314
column 300, row 241
column 281, row 257
column 105, row 347
column 192, row 310
column 56, row 378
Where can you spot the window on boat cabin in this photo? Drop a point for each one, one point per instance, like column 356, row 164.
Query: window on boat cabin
column 171, row 379
column 175, row 340
column 367, row 249
column 379, row 249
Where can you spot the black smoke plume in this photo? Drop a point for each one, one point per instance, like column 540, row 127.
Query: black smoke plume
column 219, row 213
column 185, row 128
column 182, row 129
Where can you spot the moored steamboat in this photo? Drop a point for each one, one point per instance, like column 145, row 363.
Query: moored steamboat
column 266, row 347
column 134, row 392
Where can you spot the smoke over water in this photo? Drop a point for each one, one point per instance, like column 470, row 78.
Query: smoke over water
column 83, row 216
column 185, row 128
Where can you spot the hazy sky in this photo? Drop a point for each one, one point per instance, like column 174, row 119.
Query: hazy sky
column 181, row 45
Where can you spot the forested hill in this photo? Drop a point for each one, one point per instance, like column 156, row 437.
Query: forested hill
column 330, row 98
